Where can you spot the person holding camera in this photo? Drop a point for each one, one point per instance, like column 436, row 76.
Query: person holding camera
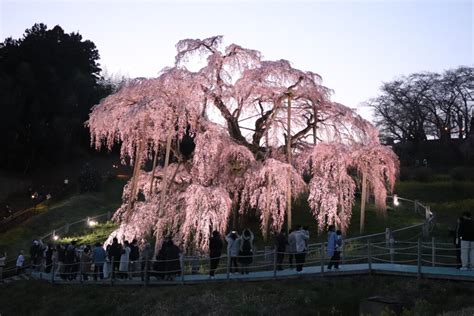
column 233, row 247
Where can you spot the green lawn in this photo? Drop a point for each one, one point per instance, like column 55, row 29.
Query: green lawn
column 338, row 296
column 446, row 198
column 309, row 296
column 70, row 209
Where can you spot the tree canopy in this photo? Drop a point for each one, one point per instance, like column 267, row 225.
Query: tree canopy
column 426, row 105
column 49, row 80
column 256, row 127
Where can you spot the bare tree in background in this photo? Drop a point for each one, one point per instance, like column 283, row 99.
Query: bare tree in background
column 426, row 105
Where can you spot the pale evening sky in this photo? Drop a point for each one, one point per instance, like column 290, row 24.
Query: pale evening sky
column 353, row 45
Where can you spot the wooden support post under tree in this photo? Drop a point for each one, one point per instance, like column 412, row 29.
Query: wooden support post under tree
column 267, row 217
column 136, row 171
column 164, row 184
column 155, row 158
column 363, row 200
column 288, row 152
column 315, row 127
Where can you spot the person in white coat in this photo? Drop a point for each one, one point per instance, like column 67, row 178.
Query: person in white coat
column 301, row 237
column 20, row 262
column 233, row 246
column 124, row 260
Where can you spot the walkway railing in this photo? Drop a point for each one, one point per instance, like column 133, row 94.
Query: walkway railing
column 77, row 226
column 365, row 249
column 408, row 258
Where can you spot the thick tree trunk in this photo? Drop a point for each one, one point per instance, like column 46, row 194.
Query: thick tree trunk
column 363, row 200
column 135, row 176
column 267, row 218
column 155, row 158
column 164, row 186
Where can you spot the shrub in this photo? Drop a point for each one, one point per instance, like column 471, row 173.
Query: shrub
column 89, row 179
column 462, row 174
column 422, row 174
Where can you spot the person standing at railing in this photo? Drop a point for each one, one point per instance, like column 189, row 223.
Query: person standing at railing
column 145, row 257
column 61, row 253
column 281, row 245
column 20, row 263
column 301, row 237
column 71, row 261
column 246, row 250
column 466, row 234
column 98, row 258
column 114, row 252
column 233, row 247
column 85, row 259
column 35, row 255
column 334, row 247
column 331, row 246
column 172, row 262
column 457, row 243
column 215, row 251
column 134, row 257
column 48, row 254
column 291, row 249
column 125, row 261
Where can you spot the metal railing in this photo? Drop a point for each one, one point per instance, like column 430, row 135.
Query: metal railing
column 267, row 260
column 415, row 258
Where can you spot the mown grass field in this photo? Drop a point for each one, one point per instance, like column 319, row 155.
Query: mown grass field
column 316, row 296
column 70, row 209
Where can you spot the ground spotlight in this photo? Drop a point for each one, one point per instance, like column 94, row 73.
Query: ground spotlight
column 395, row 200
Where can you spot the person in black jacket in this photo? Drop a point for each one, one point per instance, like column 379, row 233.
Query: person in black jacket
column 215, row 251
column 115, row 251
column 134, row 257
column 173, row 264
column 281, row 245
column 466, row 235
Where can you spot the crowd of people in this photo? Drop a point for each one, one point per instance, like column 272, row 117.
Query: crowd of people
column 126, row 260
column 122, row 260
column 129, row 259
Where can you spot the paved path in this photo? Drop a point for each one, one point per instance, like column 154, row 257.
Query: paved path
column 348, row 269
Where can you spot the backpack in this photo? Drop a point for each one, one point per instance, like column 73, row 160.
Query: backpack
column 246, row 246
column 70, row 254
column 134, row 253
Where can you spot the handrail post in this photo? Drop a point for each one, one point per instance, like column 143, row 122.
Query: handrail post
column 182, row 268
column 322, row 259
column 228, row 265
column 112, row 272
column 419, row 259
column 369, row 256
column 392, row 249
column 146, row 272
column 433, row 252
column 416, row 206
column 275, row 262
column 81, row 277
column 52, row 272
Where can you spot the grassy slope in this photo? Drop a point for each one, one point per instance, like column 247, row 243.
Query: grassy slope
column 69, row 210
column 330, row 296
column 448, row 199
